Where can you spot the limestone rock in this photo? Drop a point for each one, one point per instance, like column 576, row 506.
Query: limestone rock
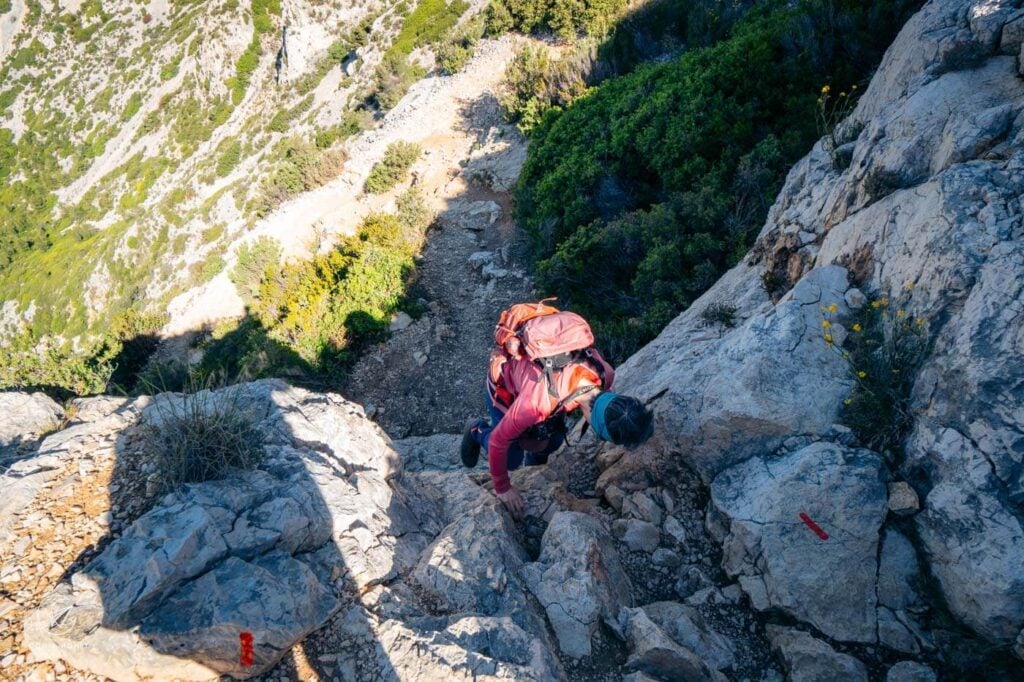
column 578, row 580
column 688, row 627
column 902, row 498
column 262, row 552
column 471, row 215
column 640, row 536
column 652, row 651
column 910, row 671
column 976, row 547
column 807, row 659
column 399, row 321
column 722, row 400
column 756, row 510
column 23, row 418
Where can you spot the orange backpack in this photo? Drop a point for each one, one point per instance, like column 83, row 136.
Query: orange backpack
column 550, row 337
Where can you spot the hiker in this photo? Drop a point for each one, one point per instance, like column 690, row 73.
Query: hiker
column 544, row 367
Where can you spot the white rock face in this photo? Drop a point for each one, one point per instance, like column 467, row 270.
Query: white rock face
column 758, row 508
column 578, row 580
column 26, row 416
column 327, row 524
column 928, row 212
column 811, row 660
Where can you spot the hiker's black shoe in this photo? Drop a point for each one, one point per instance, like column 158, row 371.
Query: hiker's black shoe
column 470, row 449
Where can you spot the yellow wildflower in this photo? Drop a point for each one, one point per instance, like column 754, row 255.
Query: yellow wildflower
column 910, row 285
column 875, row 304
column 828, row 339
column 883, row 302
column 847, row 401
column 901, row 313
column 825, row 89
column 833, row 308
column 826, row 324
column 854, row 87
column 842, row 94
column 920, row 321
column 856, row 327
column 861, row 374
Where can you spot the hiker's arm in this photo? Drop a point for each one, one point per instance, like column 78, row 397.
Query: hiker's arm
column 526, row 410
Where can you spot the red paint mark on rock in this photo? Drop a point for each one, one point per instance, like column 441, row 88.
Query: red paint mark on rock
column 813, row 526
column 248, row 655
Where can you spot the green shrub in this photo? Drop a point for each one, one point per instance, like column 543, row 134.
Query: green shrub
column 283, row 119
column 456, row 48
column 393, row 168
column 132, row 106
column 201, row 435
column 640, row 194
column 317, row 315
column 567, row 18
column 302, row 167
column 412, row 212
column 170, row 69
column 261, row 11
column 535, row 84
column 498, row 19
column 720, row 314
column 229, row 158
column 246, row 66
column 257, row 262
column 428, row 23
column 352, row 122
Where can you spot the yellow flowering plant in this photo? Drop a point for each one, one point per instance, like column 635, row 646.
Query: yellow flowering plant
column 883, row 355
column 831, row 111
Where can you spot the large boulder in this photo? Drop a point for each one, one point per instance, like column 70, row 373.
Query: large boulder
column 808, row 659
column 722, row 399
column 265, row 555
column 899, row 597
column 653, row 652
column 578, row 580
column 762, row 511
column 24, row 417
column 686, row 626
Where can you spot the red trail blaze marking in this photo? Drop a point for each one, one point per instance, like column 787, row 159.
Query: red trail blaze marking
column 248, row 656
column 813, row 526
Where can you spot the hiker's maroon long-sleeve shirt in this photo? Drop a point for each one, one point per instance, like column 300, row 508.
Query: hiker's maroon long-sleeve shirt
column 532, row 405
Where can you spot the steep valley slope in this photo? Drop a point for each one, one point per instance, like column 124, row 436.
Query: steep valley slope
column 762, row 534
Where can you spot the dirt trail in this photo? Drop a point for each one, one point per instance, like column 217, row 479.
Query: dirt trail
column 428, row 378
column 443, row 114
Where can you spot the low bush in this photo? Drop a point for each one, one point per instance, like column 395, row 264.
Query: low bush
column 256, row 262
column 201, row 435
column 567, row 18
column 883, row 349
column 393, row 168
column 535, row 84
column 639, row 194
column 229, row 157
column 317, row 315
column 719, row 314
column 428, row 23
column 302, row 167
column 132, row 106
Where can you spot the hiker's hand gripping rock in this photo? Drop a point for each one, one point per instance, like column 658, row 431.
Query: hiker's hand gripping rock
column 513, row 501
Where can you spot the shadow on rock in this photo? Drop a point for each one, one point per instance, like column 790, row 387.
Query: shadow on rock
column 225, row 576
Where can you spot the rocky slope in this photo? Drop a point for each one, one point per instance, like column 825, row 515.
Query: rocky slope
column 131, row 178
column 753, row 538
